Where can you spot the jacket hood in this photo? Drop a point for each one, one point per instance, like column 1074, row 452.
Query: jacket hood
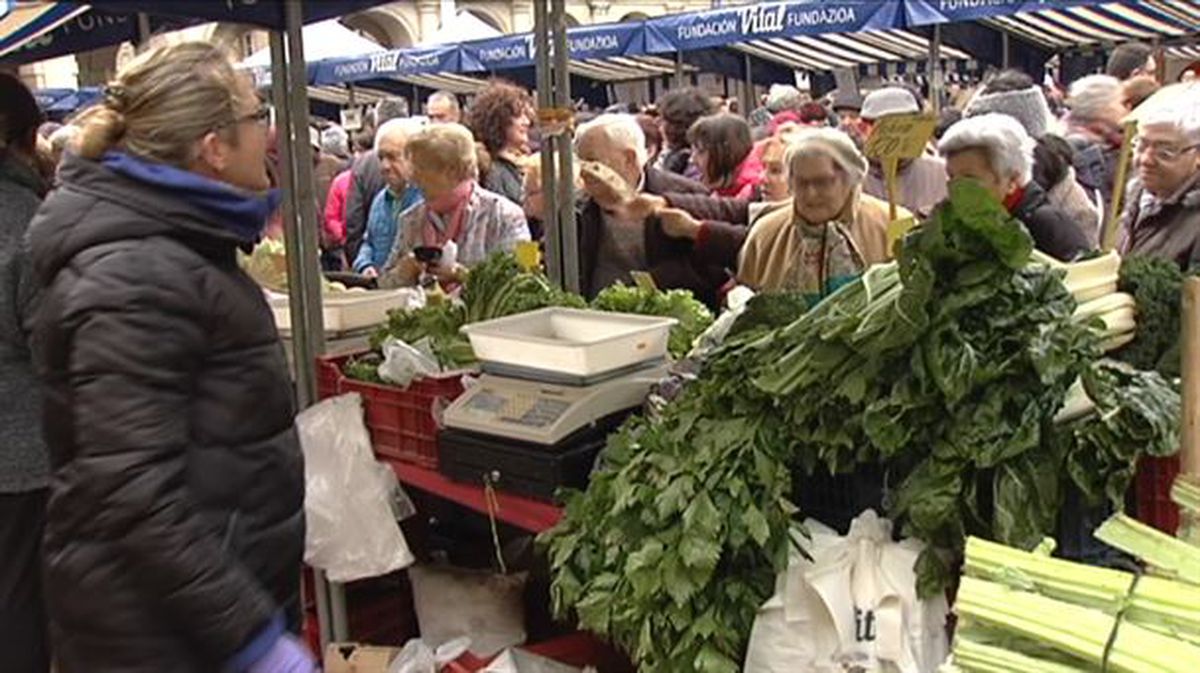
column 96, row 204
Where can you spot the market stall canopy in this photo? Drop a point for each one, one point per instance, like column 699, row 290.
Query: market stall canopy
column 322, row 40
column 58, row 103
column 1066, row 23
column 41, row 29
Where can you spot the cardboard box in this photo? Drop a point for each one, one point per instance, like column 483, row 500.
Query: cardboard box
column 358, row 658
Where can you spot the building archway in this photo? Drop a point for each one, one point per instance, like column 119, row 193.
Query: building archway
column 489, row 17
column 386, row 28
column 635, row 16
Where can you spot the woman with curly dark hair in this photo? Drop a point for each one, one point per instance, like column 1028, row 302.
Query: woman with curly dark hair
column 500, row 118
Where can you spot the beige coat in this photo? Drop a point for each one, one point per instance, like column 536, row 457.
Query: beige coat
column 772, row 246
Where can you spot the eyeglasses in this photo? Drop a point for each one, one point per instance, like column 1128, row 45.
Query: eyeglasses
column 1161, row 152
column 259, row 116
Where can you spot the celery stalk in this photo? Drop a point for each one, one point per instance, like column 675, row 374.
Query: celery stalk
column 1162, row 605
column 971, row 656
column 1170, row 556
column 1186, row 493
column 1073, row 630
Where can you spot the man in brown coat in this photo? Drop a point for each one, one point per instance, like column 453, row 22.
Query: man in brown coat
column 1162, row 214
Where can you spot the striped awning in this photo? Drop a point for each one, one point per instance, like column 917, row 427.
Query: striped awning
column 23, row 22
column 1108, row 22
column 1185, row 53
column 881, row 51
column 626, row 68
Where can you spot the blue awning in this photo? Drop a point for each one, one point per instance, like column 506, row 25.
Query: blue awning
column 585, row 43
column 19, row 24
column 396, row 63
column 726, row 26
column 1071, row 23
column 36, row 31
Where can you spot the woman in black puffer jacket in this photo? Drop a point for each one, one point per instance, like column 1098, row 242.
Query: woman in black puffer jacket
column 175, row 527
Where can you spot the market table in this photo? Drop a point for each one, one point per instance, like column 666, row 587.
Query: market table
column 530, row 515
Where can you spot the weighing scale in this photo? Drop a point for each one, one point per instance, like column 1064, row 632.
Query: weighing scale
column 532, row 430
column 547, row 411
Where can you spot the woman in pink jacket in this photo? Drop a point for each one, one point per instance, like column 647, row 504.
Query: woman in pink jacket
column 333, row 231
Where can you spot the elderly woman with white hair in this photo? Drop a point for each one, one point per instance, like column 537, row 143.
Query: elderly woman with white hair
column 828, row 235
column 1097, row 106
column 458, row 216
column 1162, row 216
column 995, row 150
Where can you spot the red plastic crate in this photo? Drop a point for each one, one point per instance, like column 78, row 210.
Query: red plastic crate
column 1153, row 488
column 329, row 376
column 402, row 421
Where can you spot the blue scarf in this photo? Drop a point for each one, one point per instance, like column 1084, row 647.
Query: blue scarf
column 242, row 213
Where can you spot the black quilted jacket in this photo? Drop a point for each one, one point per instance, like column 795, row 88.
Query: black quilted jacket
column 175, row 524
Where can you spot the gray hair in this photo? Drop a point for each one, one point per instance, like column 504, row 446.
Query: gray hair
column 1007, row 145
column 443, row 96
column 782, row 97
column 335, row 141
column 1091, row 96
column 827, row 142
column 1183, row 116
column 405, row 126
column 619, row 128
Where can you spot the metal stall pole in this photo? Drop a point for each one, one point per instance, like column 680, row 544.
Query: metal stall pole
column 749, row 104
column 545, row 101
column 679, row 78
column 289, row 93
column 1005, row 46
column 935, row 70
column 563, row 141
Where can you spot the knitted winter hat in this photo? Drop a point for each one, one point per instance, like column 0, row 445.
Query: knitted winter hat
column 1027, row 106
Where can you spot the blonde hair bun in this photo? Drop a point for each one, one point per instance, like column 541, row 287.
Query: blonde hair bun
column 100, row 128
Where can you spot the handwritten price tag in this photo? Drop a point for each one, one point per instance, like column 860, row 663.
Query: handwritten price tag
column 900, row 136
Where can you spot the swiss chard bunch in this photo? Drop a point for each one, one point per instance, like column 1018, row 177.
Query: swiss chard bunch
column 693, row 316
column 947, row 367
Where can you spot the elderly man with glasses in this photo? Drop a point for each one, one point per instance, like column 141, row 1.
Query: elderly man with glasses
column 1162, row 215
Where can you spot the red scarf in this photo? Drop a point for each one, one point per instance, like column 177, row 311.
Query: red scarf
column 1014, row 199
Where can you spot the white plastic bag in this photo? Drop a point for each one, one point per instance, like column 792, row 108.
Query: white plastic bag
column 853, row 607
column 349, row 497
column 520, row 661
column 404, row 362
column 418, row 657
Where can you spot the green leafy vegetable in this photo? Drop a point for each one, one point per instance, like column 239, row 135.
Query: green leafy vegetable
column 1156, row 286
column 693, row 316
column 947, row 367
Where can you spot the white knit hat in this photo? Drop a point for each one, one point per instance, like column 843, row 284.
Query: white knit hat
column 892, row 100
column 1027, row 106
